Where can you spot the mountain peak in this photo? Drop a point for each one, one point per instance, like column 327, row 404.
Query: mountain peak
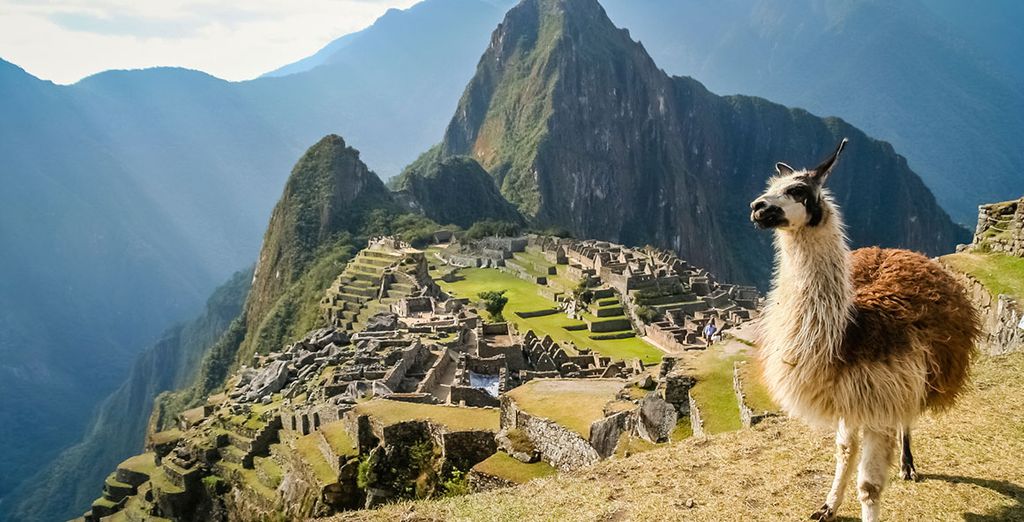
column 329, row 194
column 580, row 129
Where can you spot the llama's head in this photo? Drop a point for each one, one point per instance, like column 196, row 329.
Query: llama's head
column 795, row 198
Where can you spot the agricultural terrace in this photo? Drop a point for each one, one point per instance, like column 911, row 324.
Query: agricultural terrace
column 503, row 466
column 573, row 403
column 1000, row 273
column 453, row 417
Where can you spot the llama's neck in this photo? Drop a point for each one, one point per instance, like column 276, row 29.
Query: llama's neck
column 812, row 295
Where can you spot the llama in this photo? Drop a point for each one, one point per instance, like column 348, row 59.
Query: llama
column 861, row 341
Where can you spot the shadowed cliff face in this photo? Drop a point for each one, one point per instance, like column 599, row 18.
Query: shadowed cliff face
column 581, row 129
column 453, row 190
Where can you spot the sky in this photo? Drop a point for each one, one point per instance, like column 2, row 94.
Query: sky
column 67, row 40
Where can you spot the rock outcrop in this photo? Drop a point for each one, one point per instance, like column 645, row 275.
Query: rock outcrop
column 455, row 190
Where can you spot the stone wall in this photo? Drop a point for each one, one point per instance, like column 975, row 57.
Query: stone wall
column 696, row 422
column 748, row 416
column 1001, row 227
column 1001, row 317
column 559, row 446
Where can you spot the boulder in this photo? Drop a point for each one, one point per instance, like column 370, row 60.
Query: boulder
column 657, row 419
column 268, row 381
column 382, row 322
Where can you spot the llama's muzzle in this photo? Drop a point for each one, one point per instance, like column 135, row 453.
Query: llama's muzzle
column 765, row 215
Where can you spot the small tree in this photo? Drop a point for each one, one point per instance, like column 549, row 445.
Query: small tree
column 494, row 302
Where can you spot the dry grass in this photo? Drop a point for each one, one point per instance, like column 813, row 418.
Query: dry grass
column 455, row 418
column 970, row 459
column 573, row 403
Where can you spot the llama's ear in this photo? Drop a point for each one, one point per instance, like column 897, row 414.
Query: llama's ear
column 783, row 169
column 820, row 173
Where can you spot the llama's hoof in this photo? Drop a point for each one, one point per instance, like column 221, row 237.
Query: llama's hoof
column 908, row 472
column 824, row 514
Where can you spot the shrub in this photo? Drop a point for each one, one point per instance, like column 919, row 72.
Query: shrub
column 490, row 227
column 456, row 485
column 494, row 302
column 646, row 314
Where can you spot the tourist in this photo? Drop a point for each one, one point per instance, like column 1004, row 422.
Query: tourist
column 709, row 332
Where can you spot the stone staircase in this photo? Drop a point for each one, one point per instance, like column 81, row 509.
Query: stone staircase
column 357, row 288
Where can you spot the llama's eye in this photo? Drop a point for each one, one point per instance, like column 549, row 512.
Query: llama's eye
column 796, row 192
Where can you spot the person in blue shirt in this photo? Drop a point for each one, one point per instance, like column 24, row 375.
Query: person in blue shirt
column 709, row 331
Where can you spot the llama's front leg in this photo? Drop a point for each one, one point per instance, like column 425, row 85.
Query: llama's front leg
column 847, row 447
column 879, row 447
column 907, row 469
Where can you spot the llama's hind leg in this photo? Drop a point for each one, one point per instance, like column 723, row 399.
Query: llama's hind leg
column 879, row 447
column 907, row 469
column 847, row 447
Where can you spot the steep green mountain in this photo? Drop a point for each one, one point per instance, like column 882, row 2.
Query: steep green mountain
column 942, row 99
column 454, row 190
column 581, row 129
column 331, row 203
column 59, row 490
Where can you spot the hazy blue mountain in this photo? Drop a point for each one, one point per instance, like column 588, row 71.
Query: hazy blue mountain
column 129, row 195
column 65, row 487
column 939, row 81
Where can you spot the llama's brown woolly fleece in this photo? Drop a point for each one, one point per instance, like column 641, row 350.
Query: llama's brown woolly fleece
column 898, row 293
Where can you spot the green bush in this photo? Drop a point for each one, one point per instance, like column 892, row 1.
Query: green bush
column 490, row 227
column 646, row 314
column 456, row 485
column 494, row 302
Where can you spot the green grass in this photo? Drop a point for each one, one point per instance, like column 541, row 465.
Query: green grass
column 455, row 418
column 339, row 439
column 523, row 296
column 307, row 446
column 104, row 502
column 682, row 431
column 754, row 389
column 573, row 403
column 1000, row 273
column 144, row 463
column 271, row 469
column 714, row 393
column 503, row 466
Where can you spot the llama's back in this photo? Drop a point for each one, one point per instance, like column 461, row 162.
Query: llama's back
column 899, row 294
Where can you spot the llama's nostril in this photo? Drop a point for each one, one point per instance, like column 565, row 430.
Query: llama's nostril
column 758, row 205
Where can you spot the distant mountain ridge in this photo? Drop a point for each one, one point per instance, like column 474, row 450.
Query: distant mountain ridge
column 581, row 129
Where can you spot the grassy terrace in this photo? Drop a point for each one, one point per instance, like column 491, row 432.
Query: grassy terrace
column 144, row 463
column 339, row 439
column 753, row 386
column 503, row 466
column 714, row 393
column 523, row 296
column 1000, row 273
column 455, row 418
column 573, row 403
column 308, row 447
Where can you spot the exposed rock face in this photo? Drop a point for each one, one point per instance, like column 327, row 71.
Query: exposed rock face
column 657, row 419
column 453, row 190
column 581, row 129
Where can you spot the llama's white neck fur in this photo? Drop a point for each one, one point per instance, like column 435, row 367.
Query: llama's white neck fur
column 811, row 300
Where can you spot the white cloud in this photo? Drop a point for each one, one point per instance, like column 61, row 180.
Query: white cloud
column 66, row 40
